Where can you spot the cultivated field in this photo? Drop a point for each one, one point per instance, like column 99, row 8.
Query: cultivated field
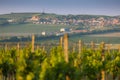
column 31, row 28
column 97, row 38
column 115, row 34
column 27, row 29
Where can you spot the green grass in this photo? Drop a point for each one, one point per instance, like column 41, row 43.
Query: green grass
column 31, row 28
column 38, row 28
column 88, row 39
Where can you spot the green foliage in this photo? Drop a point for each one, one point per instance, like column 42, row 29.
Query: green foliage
column 113, row 63
column 91, row 63
column 40, row 65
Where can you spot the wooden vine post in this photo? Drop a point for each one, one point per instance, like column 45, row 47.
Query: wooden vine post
column 6, row 47
column 18, row 46
column 66, row 52
column 119, row 48
column 66, row 47
column 33, row 42
column 61, row 41
column 80, row 46
column 92, row 45
column 108, row 48
column 18, row 50
column 103, row 58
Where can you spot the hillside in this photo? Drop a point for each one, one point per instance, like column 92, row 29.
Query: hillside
column 28, row 15
column 49, row 22
column 82, row 20
column 24, row 15
column 17, row 15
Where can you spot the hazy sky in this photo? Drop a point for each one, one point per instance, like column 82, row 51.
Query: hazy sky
column 98, row 7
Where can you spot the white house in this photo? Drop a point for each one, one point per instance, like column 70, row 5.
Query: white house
column 64, row 29
column 43, row 33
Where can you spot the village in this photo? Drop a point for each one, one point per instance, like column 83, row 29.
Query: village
column 100, row 21
column 84, row 23
column 87, row 25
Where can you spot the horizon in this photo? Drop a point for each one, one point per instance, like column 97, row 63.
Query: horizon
column 63, row 7
column 55, row 13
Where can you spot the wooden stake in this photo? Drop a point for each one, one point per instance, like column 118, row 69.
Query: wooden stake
column 61, row 41
column 103, row 75
column 18, row 46
column 6, row 47
column 66, row 52
column 102, row 47
column 80, row 46
column 67, row 77
column 119, row 48
column 103, row 58
column 18, row 50
column 108, row 48
column 33, row 42
column 92, row 45
column 66, row 47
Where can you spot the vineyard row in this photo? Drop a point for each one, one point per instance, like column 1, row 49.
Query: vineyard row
column 60, row 63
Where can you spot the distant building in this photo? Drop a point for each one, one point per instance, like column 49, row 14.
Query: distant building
column 43, row 33
column 35, row 18
column 115, row 21
column 11, row 20
column 64, row 30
